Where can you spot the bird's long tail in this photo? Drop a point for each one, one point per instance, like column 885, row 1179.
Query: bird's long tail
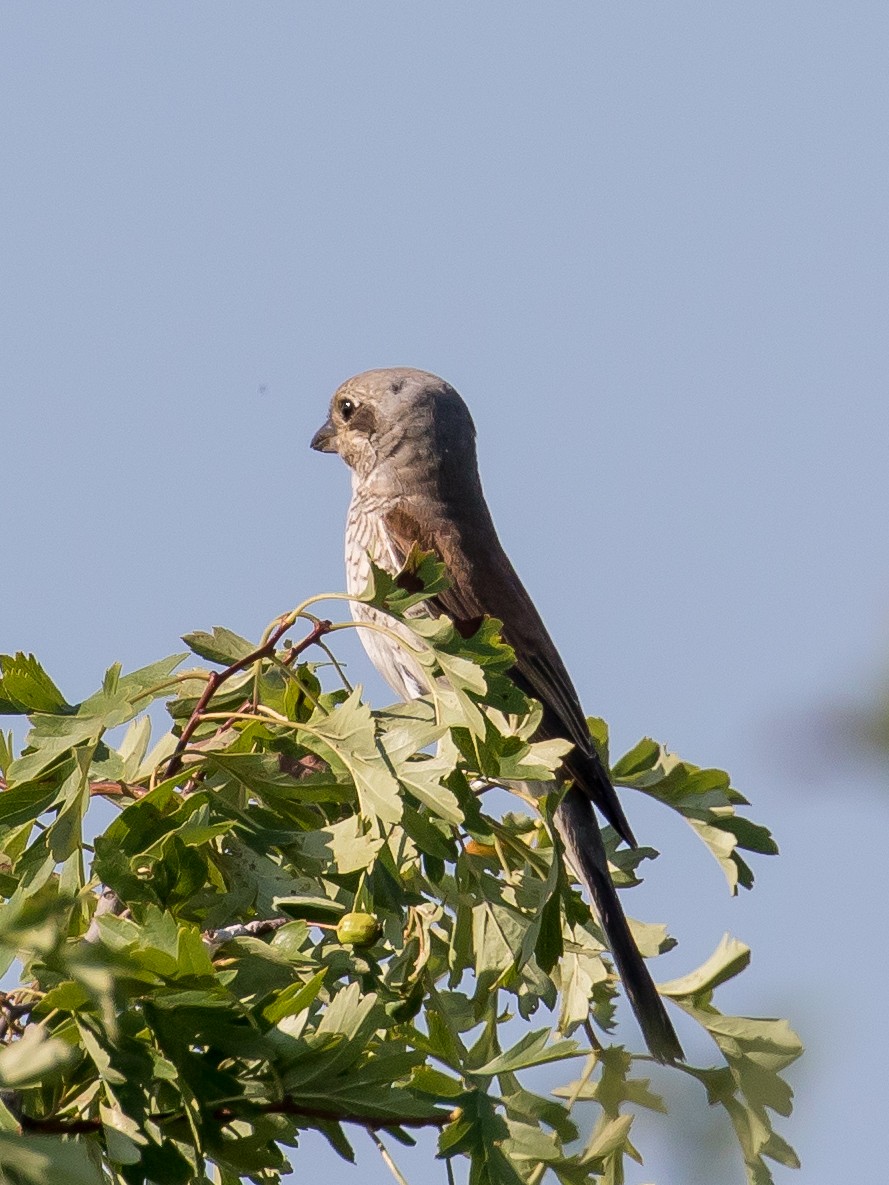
column 580, row 833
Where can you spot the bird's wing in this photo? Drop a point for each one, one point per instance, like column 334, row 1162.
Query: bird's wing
column 483, row 581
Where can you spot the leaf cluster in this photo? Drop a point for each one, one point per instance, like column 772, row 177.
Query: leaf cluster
column 312, row 920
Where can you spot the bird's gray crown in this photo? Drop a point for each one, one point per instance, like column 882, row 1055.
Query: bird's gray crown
column 401, row 425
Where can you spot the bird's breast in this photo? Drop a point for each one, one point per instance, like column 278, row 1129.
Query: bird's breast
column 366, row 540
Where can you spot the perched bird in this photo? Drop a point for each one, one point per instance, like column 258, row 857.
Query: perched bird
column 409, row 440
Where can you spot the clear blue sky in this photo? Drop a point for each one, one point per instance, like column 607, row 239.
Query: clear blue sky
column 648, row 242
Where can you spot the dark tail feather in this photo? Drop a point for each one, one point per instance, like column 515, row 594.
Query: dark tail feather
column 591, row 775
column 580, row 832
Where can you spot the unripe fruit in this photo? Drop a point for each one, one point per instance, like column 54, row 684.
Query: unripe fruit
column 358, row 929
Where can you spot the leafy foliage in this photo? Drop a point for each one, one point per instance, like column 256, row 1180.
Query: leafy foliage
column 311, row 920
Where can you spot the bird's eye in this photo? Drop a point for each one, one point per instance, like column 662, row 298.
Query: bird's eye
column 347, row 408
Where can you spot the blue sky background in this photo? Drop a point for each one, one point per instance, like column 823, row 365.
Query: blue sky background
column 648, row 243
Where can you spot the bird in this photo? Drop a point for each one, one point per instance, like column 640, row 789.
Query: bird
column 410, row 442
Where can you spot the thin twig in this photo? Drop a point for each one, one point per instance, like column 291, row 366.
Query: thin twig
column 338, row 665
column 388, row 1161
column 216, row 678
column 537, row 1173
column 594, row 1041
column 106, row 789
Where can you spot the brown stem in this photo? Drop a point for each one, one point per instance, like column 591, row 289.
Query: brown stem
column 217, row 678
column 109, row 789
column 255, row 929
column 595, row 1043
column 299, row 1110
column 105, row 789
column 56, row 1126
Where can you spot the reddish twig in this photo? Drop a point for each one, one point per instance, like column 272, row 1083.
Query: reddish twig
column 105, row 789
column 217, row 678
column 102, row 788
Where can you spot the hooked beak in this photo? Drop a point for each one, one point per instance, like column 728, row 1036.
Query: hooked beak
column 324, row 440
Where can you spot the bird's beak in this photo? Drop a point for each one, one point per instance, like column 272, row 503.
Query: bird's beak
column 324, row 440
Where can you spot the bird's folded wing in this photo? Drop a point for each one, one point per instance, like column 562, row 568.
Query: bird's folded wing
column 484, row 582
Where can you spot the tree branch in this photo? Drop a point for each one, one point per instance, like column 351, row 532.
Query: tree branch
column 256, row 929
column 217, row 678
column 53, row 1125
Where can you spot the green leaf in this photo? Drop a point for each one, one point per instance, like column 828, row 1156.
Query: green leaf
column 546, row 933
column 615, row 1086
column 531, row 1050
column 6, row 751
column 750, row 1085
column 134, row 746
column 727, row 961
column 421, row 576
column 145, row 1019
column 261, row 878
column 337, row 1139
column 497, row 936
column 350, row 733
column 8, row 1122
column 434, row 1082
column 133, row 693
column 578, row 974
column 404, row 731
column 25, row 802
column 424, row 779
column 348, row 1014
column 294, row 999
column 609, row 1137
column 65, row 834
column 220, row 646
column 349, row 845
column 535, row 1109
column 706, row 800
column 123, row 1136
column 36, row 1058
column 479, row 1132
column 38, row 1160
column 262, row 775
column 26, row 687
column 53, row 736
column 68, row 996
column 599, row 732
column 312, row 909
column 409, row 728
column 529, row 1142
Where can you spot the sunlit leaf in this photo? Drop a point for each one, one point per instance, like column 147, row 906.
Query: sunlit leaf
column 324, row 918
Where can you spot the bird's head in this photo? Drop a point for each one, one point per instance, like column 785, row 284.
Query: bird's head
column 403, row 422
